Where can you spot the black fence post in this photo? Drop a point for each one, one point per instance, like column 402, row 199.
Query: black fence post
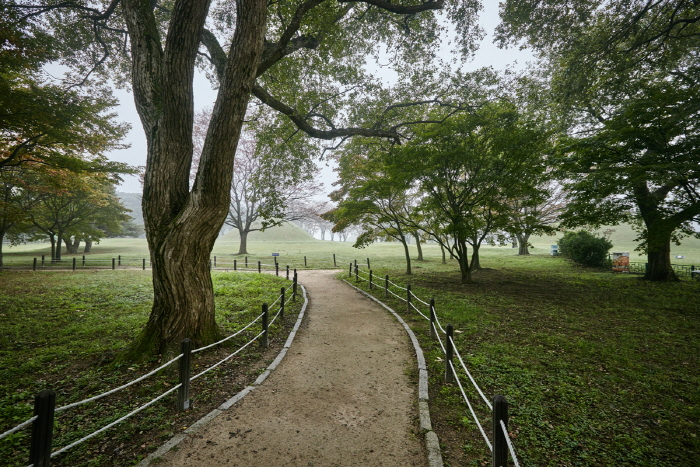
column 433, row 330
column 408, row 298
column 277, row 268
column 282, row 305
column 305, row 261
column 74, row 261
column 287, row 272
column 83, row 260
column 246, row 262
column 264, row 341
column 42, row 260
column 370, row 279
column 449, row 376
column 42, row 429
column 259, row 269
column 335, row 265
column 120, row 260
column 294, row 287
column 214, row 261
column 235, row 265
column 357, row 274
column 144, row 264
column 114, row 262
column 34, row 266
column 368, row 267
column 386, row 286
column 500, row 445
column 692, row 274
column 183, row 392
column 350, row 273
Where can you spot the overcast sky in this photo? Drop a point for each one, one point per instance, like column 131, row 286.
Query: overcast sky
column 487, row 55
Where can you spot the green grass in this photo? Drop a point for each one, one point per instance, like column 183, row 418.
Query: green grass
column 62, row 330
column 598, row 369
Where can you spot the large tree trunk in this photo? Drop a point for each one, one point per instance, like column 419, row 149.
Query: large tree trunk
column 88, row 246
column 444, row 259
column 659, row 256
column 420, row 249
column 182, row 225
column 2, row 239
column 522, row 244
column 476, row 259
column 463, row 260
column 243, row 247
column 52, row 240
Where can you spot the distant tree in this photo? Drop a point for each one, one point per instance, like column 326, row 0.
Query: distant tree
column 536, row 214
column 267, row 192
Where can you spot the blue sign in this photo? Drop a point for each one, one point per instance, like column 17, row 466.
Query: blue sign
column 275, row 254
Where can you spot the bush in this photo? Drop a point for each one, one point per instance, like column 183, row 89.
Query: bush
column 585, row 248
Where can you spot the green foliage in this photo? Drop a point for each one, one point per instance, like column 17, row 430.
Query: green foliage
column 585, row 248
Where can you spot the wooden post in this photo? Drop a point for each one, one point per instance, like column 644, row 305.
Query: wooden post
column 294, row 287
column 259, row 270
column 282, row 305
column 350, row 273
column 113, row 263
column 305, row 261
column 144, row 264
column 214, row 261
column 357, row 275
column 42, row 260
column 368, row 267
column 287, row 272
column 83, row 260
column 34, row 266
column 120, row 260
column 449, row 376
column 386, row 286
column 500, row 446
column 183, row 392
column 408, row 298
column 74, row 263
column 433, row 330
column 264, row 342
column 277, row 268
column 335, row 265
column 42, row 429
column 246, row 262
column 370, row 279
column 235, row 266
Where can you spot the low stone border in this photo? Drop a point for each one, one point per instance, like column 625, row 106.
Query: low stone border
column 432, row 442
column 178, row 438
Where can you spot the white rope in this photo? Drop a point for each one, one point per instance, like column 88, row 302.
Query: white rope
column 19, row 427
column 75, row 404
column 227, row 358
column 62, row 450
column 437, row 321
column 398, row 286
column 424, row 303
column 419, row 312
column 444, row 351
column 510, row 445
column 279, row 297
column 454, row 347
column 471, row 409
column 229, row 337
column 397, row 296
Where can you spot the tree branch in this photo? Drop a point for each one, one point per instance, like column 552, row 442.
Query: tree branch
column 400, row 9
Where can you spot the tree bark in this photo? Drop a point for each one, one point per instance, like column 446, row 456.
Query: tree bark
column 444, row 259
column 420, row 249
column 659, row 256
column 463, row 260
column 182, row 224
column 407, row 253
column 88, row 246
column 522, row 244
column 243, row 247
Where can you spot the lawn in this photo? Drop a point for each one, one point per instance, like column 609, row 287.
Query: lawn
column 598, row 368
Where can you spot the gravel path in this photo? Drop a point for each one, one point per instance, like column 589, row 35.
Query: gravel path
column 340, row 397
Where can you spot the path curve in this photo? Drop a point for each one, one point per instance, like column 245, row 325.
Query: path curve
column 340, row 397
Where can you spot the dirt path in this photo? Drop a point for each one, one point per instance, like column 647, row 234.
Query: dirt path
column 340, row 397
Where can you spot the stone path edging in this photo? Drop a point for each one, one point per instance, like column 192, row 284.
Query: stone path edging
column 178, row 438
column 432, row 442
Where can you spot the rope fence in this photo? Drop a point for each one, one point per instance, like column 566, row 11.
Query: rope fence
column 42, row 423
column 219, row 262
column 501, row 446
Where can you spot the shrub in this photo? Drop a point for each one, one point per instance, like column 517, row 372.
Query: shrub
column 585, row 248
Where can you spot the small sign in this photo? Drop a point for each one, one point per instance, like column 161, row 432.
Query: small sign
column 621, row 261
column 275, row 254
column 680, row 257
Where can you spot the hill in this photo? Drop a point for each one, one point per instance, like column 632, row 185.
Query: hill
column 284, row 233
